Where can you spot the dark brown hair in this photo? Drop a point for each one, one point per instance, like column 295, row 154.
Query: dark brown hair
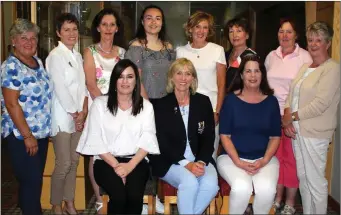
column 238, row 84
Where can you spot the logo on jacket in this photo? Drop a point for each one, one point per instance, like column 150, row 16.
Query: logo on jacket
column 201, row 127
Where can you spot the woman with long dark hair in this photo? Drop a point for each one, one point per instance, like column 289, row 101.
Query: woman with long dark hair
column 120, row 132
column 152, row 52
column 99, row 61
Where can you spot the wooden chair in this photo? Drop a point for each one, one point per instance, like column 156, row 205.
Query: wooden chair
column 169, row 193
column 225, row 190
column 147, row 199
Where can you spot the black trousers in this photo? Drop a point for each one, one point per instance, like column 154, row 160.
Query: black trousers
column 28, row 170
column 124, row 198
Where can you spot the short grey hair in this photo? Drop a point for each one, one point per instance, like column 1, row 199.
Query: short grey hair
column 321, row 29
column 21, row 26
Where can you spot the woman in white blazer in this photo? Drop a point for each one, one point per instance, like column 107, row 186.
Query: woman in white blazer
column 69, row 109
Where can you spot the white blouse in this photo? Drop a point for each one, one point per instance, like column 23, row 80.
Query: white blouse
column 65, row 68
column 205, row 61
column 120, row 135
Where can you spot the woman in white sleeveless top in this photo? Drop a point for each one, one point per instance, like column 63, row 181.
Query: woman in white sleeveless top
column 99, row 61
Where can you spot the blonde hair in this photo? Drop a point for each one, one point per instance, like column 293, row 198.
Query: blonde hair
column 177, row 65
column 195, row 19
column 322, row 29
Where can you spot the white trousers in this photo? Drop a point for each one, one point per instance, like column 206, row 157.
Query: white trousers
column 216, row 142
column 311, row 159
column 242, row 184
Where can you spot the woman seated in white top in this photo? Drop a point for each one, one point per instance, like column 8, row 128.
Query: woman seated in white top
column 120, row 132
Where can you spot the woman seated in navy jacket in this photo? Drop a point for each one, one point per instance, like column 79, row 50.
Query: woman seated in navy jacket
column 185, row 132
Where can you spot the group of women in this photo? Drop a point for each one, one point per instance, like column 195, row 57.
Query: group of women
column 155, row 106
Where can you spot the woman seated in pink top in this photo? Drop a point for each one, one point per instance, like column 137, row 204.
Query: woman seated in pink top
column 282, row 66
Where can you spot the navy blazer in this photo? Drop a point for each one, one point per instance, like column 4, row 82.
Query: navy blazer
column 171, row 133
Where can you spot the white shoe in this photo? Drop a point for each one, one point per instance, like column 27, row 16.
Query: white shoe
column 160, row 208
column 144, row 209
column 288, row 210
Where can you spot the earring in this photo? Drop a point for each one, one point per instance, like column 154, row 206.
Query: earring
column 13, row 45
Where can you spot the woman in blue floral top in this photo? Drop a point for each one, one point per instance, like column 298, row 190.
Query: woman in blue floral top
column 26, row 120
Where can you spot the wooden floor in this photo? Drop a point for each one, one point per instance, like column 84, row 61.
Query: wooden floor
column 9, row 191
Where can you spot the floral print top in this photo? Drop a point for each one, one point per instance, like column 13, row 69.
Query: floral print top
column 104, row 67
column 35, row 94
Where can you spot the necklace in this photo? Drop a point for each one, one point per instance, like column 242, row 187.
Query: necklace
column 197, row 49
column 107, row 52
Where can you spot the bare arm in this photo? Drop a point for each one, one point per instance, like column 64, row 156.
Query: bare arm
column 109, row 159
column 230, row 149
column 90, row 74
column 269, row 153
column 124, row 169
column 80, row 120
column 221, row 79
column 143, row 90
column 271, row 149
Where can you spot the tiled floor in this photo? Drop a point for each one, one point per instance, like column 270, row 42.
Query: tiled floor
column 9, row 193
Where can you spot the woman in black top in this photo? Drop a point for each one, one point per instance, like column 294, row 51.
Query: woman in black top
column 238, row 34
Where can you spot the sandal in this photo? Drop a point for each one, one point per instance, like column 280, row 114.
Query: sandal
column 98, row 206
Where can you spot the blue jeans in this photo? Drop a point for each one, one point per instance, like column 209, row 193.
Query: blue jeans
column 29, row 172
column 194, row 194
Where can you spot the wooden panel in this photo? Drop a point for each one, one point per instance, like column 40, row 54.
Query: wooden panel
column 34, row 12
column 336, row 38
column 310, row 12
column 324, row 4
column 329, row 165
column 2, row 29
column 80, row 201
column 326, row 15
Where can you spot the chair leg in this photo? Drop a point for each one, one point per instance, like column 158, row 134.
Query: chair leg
column 225, row 205
column 272, row 210
column 151, row 205
column 104, row 209
column 212, row 207
column 167, row 205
